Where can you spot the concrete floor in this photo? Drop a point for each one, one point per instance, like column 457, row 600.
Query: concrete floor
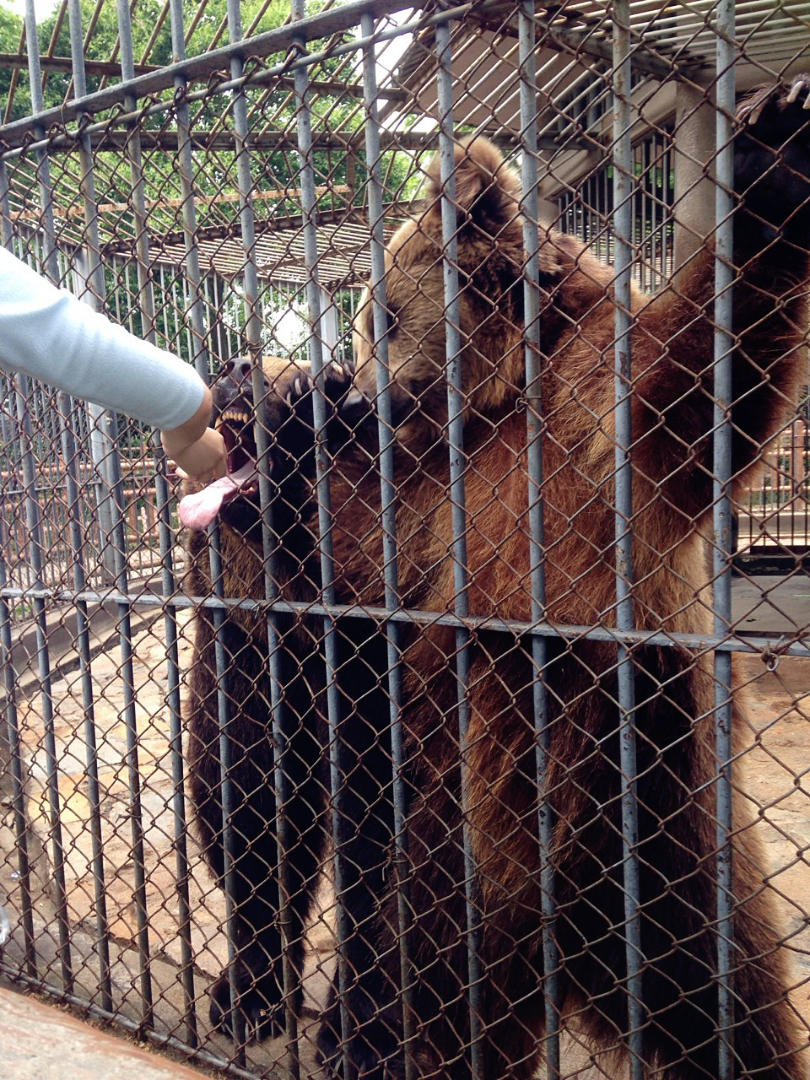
column 43, row 1042
column 770, row 603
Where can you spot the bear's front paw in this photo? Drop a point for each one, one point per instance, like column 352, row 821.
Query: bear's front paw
column 776, row 100
column 294, row 385
column 337, row 384
column 259, row 1006
column 777, row 117
column 772, row 155
column 373, row 1051
column 298, row 382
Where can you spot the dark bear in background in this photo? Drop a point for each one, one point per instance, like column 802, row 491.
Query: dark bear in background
column 672, row 406
column 245, row 695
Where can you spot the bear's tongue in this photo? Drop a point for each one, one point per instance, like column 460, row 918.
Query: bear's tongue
column 198, row 510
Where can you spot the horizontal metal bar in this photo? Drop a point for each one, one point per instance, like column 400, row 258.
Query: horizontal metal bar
column 202, row 67
column 774, row 643
column 114, row 133
column 16, row 136
column 9, row 61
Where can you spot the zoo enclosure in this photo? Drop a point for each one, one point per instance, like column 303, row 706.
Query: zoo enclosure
column 201, row 202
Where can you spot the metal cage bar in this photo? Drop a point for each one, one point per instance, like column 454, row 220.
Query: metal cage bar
column 625, row 616
column 535, row 364
column 113, row 542
column 320, row 411
column 458, row 466
column 722, row 551
column 388, row 498
column 34, row 525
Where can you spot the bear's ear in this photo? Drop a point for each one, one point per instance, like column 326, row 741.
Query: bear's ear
column 486, row 188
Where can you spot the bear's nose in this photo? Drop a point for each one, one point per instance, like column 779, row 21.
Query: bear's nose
column 237, row 369
column 234, row 385
column 234, row 377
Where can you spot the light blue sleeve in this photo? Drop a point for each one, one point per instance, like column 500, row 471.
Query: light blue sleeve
column 51, row 335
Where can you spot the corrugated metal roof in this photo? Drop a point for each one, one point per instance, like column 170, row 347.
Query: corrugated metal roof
column 670, row 39
column 767, row 30
column 344, row 254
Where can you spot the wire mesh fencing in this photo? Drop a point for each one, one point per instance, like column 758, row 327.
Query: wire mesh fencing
column 462, row 733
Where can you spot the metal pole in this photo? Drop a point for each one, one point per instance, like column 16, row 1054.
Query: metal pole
column 534, row 436
column 115, row 546
column 281, row 783
column 725, row 273
column 387, row 439
column 194, row 316
column 623, row 190
column 458, row 466
column 319, row 409
column 16, row 763
column 33, row 515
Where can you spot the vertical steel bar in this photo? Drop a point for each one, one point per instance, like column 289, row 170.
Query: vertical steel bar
column 534, row 434
column 195, row 323
column 74, row 500
column 10, row 680
column 726, row 54
column 33, row 515
column 16, row 763
column 6, row 232
column 88, row 270
column 623, row 193
column 387, row 438
column 313, row 293
column 227, row 793
column 146, row 299
column 182, row 872
column 34, row 518
column 146, row 304
column 43, row 164
column 133, row 768
column 281, row 782
column 458, row 465
column 652, row 158
column 116, row 542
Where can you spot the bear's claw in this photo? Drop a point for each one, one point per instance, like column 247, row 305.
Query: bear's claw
column 262, row 1016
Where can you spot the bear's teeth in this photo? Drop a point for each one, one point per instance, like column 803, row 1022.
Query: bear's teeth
column 236, row 415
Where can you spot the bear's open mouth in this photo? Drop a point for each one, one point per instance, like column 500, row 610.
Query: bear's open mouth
column 201, row 508
column 236, row 428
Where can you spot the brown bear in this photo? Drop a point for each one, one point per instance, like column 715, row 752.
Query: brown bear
column 672, row 423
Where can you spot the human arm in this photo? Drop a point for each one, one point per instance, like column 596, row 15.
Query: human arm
column 51, row 335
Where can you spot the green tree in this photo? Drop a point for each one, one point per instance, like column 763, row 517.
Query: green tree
column 337, row 121
column 11, row 26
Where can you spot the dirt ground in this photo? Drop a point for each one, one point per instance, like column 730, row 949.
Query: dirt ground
column 777, row 770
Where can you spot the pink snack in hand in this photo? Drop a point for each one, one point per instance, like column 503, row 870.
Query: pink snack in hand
column 198, row 510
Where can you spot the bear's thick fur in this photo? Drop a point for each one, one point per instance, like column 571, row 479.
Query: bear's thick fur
column 672, row 423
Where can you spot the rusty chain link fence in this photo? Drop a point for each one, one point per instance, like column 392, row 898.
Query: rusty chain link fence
column 467, row 733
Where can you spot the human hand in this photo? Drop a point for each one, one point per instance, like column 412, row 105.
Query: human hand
column 197, row 450
column 205, row 459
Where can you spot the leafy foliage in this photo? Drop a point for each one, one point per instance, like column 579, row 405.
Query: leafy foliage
column 136, row 162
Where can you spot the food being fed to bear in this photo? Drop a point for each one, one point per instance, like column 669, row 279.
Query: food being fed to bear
column 672, row 424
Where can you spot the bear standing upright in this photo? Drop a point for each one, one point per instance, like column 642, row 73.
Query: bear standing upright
column 672, row 423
